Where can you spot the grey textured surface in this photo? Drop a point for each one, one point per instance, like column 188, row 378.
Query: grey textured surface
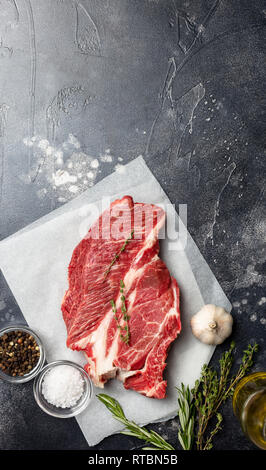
column 89, row 85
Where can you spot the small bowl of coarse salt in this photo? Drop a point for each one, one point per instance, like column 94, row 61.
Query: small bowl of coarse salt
column 63, row 389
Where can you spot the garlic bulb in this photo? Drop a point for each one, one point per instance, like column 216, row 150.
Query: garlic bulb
column 212, row 324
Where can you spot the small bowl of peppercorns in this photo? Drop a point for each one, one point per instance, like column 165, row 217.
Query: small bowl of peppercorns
column 22, row 354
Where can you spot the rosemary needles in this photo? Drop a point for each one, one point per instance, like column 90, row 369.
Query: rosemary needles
column 186, row 414
column 199, row 408
column 131, row 428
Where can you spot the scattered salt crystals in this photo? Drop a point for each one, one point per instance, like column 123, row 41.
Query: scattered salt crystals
column 27, row 141
column 73, row 141
column 63, row 386
column 66, row 168
column 63, row 177
column 201, row 29
column 262, row 301
column 106, row 158
column 49, row 151
column 41, row 193
column 94, row 163
column 59, row 157
column 43, row 144
column 120, row 168
column 73, row 189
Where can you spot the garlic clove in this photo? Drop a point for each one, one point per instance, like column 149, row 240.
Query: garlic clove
column 212, row 324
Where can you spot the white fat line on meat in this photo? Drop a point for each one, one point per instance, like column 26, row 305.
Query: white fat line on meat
column 101, row 365
column 151, row 239
column 104, row 367
column 105, row 363
column 123, row 374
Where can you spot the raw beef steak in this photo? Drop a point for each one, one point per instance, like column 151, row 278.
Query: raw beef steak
column 122, row 306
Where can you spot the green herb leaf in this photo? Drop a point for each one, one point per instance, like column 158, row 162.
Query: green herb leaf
column 186, row 417
column 213, row 389
column 116, row 256
column 131, row 428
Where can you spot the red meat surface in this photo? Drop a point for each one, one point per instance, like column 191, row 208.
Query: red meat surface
column 122, row 248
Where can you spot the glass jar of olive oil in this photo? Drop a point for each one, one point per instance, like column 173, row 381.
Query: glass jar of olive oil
column 249, row 404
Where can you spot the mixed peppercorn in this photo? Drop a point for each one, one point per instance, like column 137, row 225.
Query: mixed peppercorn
column 19, row 353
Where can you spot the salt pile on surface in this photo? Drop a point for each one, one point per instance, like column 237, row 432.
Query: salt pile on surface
column 62, row 386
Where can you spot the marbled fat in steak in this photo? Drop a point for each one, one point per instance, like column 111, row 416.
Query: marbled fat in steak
column 151, row 297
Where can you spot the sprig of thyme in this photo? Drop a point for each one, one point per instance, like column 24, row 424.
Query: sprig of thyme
column 112, row 302
column 131, row 428
column 213, row 388
column 115, row 258
column 196, row 406
column 126, row 336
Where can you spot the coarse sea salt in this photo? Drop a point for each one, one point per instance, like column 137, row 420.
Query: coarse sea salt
column 63, row 386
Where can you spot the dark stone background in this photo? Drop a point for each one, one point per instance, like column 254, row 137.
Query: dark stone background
column 180, row 82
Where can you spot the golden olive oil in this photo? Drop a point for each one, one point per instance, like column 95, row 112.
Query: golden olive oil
column 249, row 404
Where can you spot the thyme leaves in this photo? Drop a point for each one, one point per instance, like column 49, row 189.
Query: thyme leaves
column 197, row 406
column 126, row 336
column 124, row 330
column 213, row 389
column 116, row 257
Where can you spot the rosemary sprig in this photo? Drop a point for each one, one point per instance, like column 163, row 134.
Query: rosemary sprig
column 202, row 403
column 186, row 413
column 212, row 389
column 131, row 428
column 115, row 258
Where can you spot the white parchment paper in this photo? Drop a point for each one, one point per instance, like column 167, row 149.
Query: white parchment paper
column 34, row 262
